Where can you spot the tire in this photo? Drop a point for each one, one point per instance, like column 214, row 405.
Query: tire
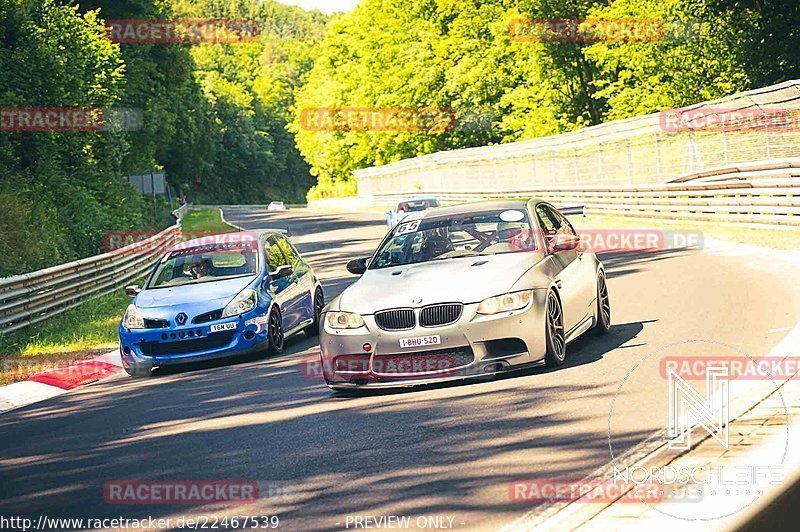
column 275, row 332
column 554, row 331
column 603, row 325
column 319, row 303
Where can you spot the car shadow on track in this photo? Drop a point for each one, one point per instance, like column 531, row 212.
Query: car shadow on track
column 294, row 345
column 591, row 347
column 619, row 263
column 588, row 348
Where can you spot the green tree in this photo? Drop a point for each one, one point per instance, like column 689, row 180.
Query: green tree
column 60, row 190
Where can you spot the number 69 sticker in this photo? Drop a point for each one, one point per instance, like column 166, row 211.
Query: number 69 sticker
column 408, row 227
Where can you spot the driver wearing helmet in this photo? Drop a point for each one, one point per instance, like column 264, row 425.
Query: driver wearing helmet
column 199, row 268
column 436, row 245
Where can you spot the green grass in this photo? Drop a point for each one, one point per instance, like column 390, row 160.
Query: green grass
column 82, row 332
column 89, row 329
column 205, row 220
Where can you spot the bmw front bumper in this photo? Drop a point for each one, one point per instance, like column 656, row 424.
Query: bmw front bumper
column 472, row 346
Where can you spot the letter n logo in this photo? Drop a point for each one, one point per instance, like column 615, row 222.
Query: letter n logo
column 688, row 409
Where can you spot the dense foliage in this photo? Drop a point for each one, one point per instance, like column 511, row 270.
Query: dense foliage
column 214, row 119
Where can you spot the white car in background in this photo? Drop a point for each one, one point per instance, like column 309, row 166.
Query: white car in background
column 277, row 206
column 408, row 205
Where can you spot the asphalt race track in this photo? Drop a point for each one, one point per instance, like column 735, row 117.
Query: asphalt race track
column 448, row 451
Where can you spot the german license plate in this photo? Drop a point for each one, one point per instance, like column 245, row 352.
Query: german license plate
column 223, row 327
column 420, row 341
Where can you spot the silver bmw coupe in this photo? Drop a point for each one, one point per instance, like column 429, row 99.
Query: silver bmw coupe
column 462, row 291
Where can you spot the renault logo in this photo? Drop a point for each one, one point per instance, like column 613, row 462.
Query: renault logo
column 181, row 318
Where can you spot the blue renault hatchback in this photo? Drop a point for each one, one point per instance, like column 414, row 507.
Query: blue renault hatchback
column 219, row 296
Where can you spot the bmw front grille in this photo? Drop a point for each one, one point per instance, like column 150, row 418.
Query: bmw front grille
column 430, row 316
column 395, row 320
column 437, row 315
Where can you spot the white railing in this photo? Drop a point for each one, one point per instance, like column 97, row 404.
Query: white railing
column 639, row 151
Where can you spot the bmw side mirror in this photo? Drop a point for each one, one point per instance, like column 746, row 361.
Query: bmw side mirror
column 357, row 266
column 282, row 271
column 132, row 290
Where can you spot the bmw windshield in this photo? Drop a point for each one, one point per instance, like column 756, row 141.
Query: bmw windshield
column 204, row 264
column 464, row 235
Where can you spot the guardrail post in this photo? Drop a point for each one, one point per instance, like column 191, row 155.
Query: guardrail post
column 766, row 142
column 575, row 165
column 657, row 143
column 725, row 146
column 630, row 160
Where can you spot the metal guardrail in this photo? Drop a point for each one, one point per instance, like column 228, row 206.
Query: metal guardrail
column 32, row 297
column 764, row 193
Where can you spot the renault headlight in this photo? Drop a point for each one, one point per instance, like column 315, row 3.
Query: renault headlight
column 344, row 320
column 243, row 302
column 505, row 303
column 132, row 319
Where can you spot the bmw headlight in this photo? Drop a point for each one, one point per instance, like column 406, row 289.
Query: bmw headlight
column 344, row 320
column 132, row 319
column 505, row 303
column 243, row 302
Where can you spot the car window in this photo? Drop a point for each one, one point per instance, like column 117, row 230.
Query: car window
column 553, row 223
column 416, row 206
column 548, row 219
column 566, row 227
column 287, row 249
column 205, row 263
column 445, row 237
column 275, row 257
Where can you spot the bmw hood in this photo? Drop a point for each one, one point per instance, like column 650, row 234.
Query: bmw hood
column 465, row 280
column 214, row 294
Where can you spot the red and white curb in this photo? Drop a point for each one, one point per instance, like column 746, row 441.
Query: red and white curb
column 58, row 381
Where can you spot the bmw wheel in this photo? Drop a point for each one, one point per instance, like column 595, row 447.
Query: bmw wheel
column 554, row 331
column 603, row 306
column 319, row 304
